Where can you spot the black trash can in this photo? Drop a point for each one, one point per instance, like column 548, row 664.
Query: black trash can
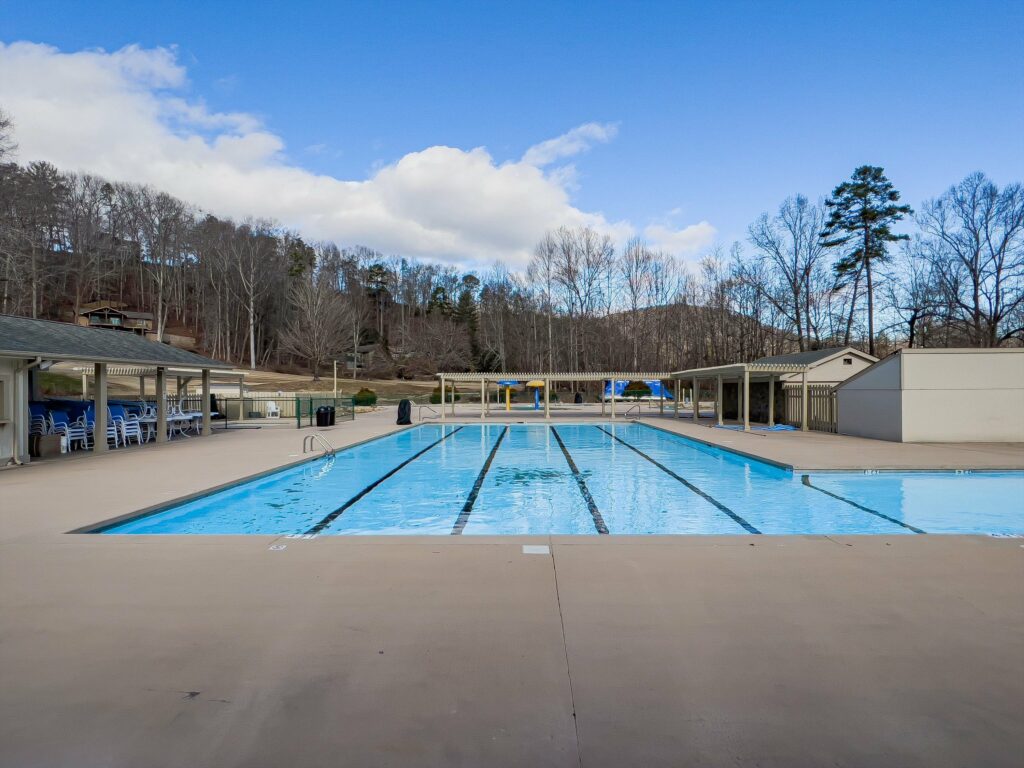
column 330, row 411
column 323, row 416
column 578, row 400
column 404, row 412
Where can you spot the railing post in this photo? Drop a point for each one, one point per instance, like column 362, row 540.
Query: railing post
column 298, row 413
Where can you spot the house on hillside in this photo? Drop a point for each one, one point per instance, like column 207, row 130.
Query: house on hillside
column 112, row 315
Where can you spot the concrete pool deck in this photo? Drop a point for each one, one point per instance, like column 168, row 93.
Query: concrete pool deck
column 441, row 651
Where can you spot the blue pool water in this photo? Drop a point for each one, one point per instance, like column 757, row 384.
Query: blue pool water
column 584, row 479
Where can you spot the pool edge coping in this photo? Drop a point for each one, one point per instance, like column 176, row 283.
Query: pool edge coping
column 162, row 506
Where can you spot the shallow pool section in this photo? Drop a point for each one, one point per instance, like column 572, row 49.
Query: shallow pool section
column 583, row 479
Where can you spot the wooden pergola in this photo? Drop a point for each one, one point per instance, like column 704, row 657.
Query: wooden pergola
column 742, row 373
column 548, row 377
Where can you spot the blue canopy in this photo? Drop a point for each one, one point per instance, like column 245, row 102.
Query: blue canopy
column 657, row 390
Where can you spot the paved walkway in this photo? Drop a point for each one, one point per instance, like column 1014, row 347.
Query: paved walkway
column 465, row 651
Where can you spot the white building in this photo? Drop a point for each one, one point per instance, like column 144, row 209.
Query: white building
column 937, row 396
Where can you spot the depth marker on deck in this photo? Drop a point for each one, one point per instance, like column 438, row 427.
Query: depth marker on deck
column 336, row 513
column 467, row 508
column 591, row 505
column 806, row 480
column 736, row 518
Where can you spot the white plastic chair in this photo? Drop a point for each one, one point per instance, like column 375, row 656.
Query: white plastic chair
column 273, row 412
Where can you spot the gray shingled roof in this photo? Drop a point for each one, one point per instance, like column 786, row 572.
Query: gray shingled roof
column 804, row 358
column 25, row 337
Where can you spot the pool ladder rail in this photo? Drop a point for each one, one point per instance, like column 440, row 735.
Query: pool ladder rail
column 635, row 410
column 309, row 444
column 419, row 413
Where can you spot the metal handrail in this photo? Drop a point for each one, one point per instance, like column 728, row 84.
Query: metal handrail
column 419, row 412
column 632, row 408
column 308, row 441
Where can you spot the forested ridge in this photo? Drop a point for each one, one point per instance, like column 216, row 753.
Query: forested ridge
column 809, row 274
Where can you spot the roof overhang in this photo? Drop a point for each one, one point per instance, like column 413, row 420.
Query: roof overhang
column 150, row 370
column 737, row 370
column 556, row 376
column 71, row 358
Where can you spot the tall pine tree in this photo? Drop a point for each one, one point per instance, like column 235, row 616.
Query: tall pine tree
column 862, row 211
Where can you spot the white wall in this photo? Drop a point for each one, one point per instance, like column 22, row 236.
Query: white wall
column 871, row 404
column 963, row 396
column 8, row 408
column 938, row 396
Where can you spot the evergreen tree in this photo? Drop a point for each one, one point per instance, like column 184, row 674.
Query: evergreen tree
column 467, row 313
column 862, row 211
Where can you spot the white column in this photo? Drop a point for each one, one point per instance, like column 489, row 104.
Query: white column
column 803, row 402
column 661, row 398
column 771, row 400
column 611, row 405
column 241, row 400
column 161, row 405
column 746, row 400
column 547, row 399
column 719, row 404
column 335, row 379
column 85, row 385
column 442, row 399
column 142, row 387
column 100, row 408
column 695, row 399
column 207, row 424
column 483, row 398
column 675, row 405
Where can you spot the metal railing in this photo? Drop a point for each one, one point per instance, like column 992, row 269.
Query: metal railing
column 309, row 440
column 634, row 409
column 419, row 413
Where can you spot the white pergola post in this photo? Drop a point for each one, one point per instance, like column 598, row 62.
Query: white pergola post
column 675, row 405
column 442, row 399
column 241, row 400
column 695, row 399
column 611, row 404
column 661, row 398
column 602, row 400
column 85, row 385
column 483, row 398
column 771, row 400
column 719, row 404
column 142, row 387
column 746, row 400
column 547, row 399
column 207, row 422
column 161, row 404
column 99, row 435
column 803, row 401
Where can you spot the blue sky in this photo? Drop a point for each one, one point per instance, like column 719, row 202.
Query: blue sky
column 720, row 109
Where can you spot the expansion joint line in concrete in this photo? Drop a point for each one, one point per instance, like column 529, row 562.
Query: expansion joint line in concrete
column 736, row 518
column 591, row 504
column 467, row 508
column 565, row 650
column 337, row 513
column 806, row 480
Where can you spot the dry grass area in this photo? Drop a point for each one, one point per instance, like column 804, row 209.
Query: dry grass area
column 271, row 381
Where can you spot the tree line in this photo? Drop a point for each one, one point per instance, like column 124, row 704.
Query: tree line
column 809, row 275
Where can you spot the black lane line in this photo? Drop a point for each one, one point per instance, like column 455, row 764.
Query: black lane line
column 467, row 508
column 594, row 511
column 736, row 518
column 336, row 513
column 806, row 480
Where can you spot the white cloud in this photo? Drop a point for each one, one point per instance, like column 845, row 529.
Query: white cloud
column 579, row 139
column 681, row 242
column 127, row 116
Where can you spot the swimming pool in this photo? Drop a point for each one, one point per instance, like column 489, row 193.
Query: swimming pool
column 583, row 479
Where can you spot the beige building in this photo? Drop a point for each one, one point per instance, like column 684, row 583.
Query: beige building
column 937, row 396
column 824, row 366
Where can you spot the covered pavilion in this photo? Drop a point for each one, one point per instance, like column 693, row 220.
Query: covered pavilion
column 547, row 377
column 743, row 374
column 28, row 345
